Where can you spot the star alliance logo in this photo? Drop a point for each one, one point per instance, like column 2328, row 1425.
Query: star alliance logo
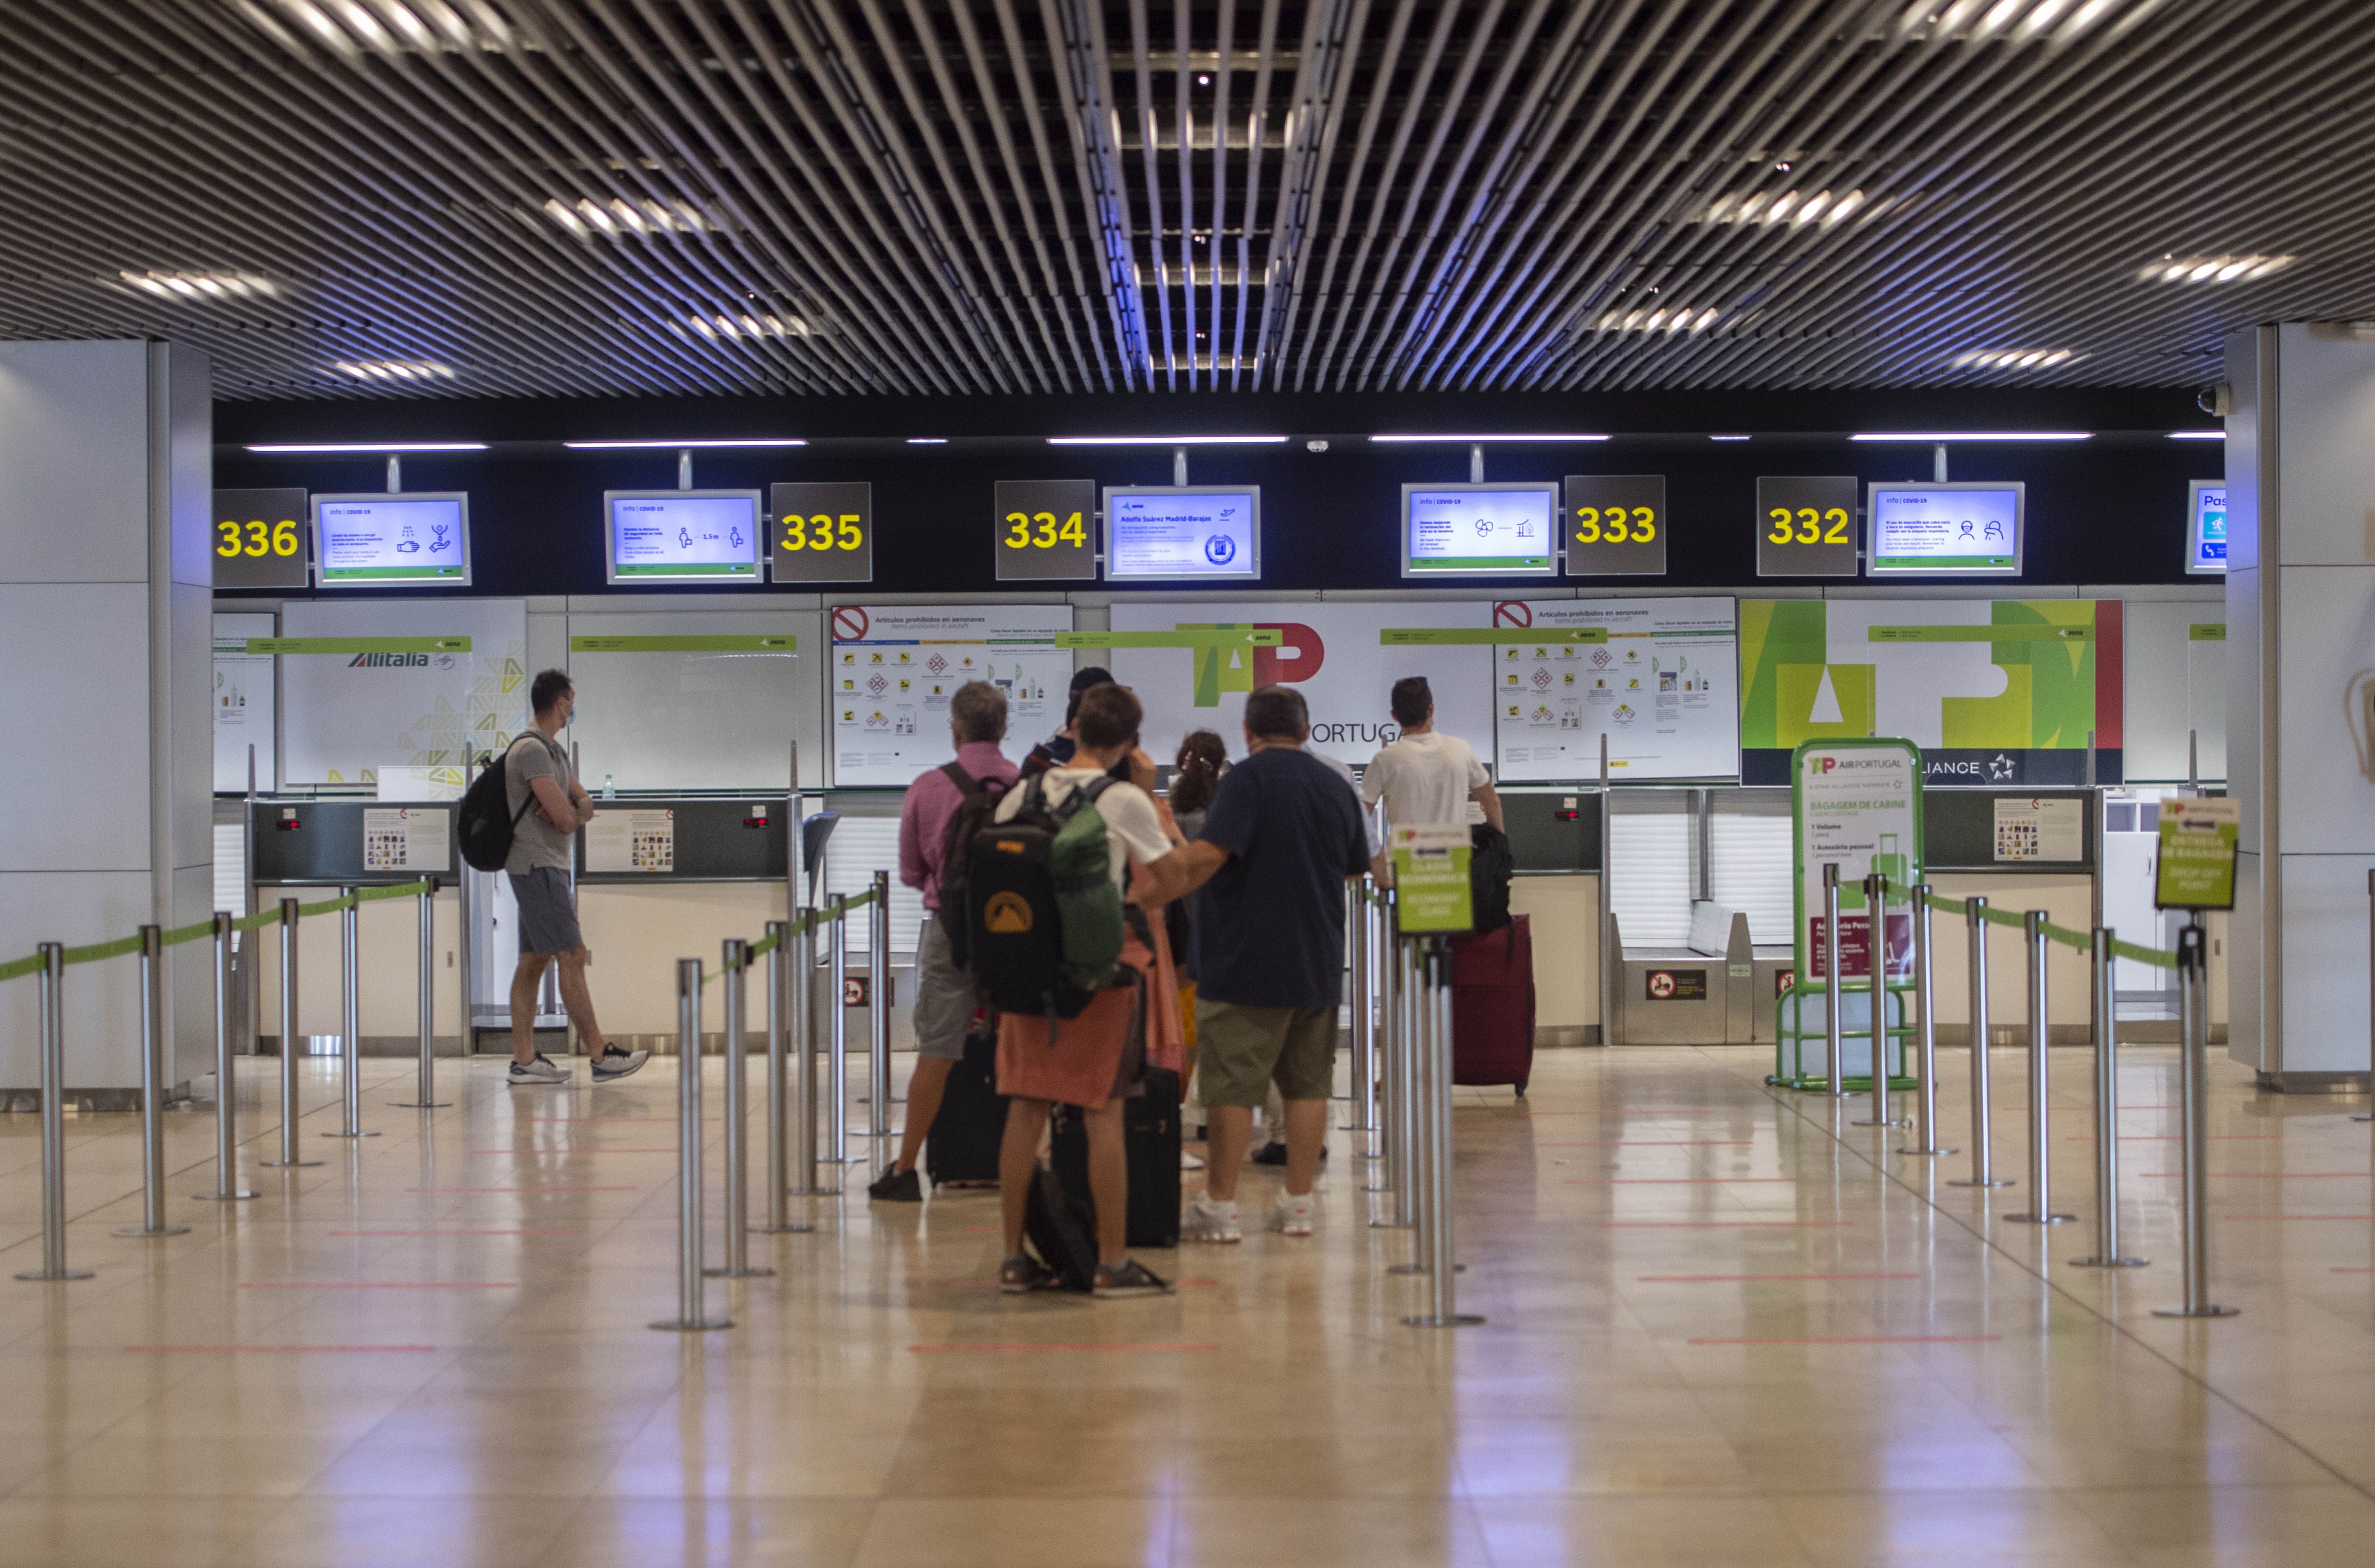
column 2001, row 770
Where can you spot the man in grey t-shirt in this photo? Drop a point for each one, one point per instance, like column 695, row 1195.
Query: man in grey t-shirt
column 536, row 770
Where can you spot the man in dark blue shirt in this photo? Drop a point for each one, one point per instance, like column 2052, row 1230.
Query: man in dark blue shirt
column 1283, row 835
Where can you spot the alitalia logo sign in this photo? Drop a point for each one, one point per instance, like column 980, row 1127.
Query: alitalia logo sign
column 388, row 660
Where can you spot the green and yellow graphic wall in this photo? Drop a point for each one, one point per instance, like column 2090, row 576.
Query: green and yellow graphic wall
column 1994, row 691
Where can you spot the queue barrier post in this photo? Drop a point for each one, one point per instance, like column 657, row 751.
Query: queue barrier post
column 1357, row 928
column 1834, row 1043
column 1876, row 904
column 425, row 1091
column 2194, row 1011
column 734, row 963
column 2106, row 1115
column 290, row 1047
column 1377, row 988
column 1435, row 1251
column 1982, row 1152
column 1418, row 1018
column 877, row 1016
column 226, row 1097
column 2370, row 1115
column 152, row 1091
column 836, row 1012
column 2040, row 1147
column 804, row 1080
column 350, row 1044
column 1925, row 997
column 779, row 1018
column 1404, row 1212
column 693, row 1286
column 54, row 1119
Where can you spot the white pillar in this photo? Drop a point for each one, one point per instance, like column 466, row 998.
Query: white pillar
column 106, row 589
column 2301, row 617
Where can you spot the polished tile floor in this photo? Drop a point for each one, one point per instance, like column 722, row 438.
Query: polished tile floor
column 1725, row 1328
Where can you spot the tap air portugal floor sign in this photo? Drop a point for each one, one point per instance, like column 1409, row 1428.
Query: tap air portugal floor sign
column 1855, row 804
column 1994, row 691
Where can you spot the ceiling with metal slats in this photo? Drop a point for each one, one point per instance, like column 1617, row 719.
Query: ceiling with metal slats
column 440, row 198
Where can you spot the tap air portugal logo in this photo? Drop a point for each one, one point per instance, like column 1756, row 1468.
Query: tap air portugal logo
column 1297, row 658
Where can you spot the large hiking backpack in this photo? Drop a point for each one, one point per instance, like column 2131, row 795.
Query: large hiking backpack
column 1491, row 863
column 979, row 805
column 1044, row 920
column 487, row 819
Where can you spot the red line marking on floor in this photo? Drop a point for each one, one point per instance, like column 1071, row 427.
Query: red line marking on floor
column 616, row 1118
column 520, row 1189
column 2358, row 1216
column 369, row 1285
column 1652, row 1143
column 2173, row 1138
column 1722, row 1224
column 1863, row 1339
column 992, row 1284
column 228, row 1349
column 1669, row 1181
column 2361, row 1270
column 457, row 1232
column 1738, row 1278
column 2260, row 1176
column 944, row 1350
column 574, row 1151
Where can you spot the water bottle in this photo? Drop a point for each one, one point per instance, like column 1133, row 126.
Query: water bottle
column 609, row 790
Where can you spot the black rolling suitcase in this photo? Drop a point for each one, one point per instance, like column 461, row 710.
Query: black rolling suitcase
column 971, row 1123
column 1149, row 1143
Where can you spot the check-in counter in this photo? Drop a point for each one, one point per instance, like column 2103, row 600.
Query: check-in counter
column 1554, row 837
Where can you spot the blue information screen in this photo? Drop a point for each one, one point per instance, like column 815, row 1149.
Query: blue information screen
column 709, row 537
column 1193, row 532
column 1962, row 530
column 2205, row 534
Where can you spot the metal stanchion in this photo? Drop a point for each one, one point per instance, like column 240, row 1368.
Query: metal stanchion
column 1418, row 1087
column 1834, row 1044
column 2369, row 1117
column 1436, row 1239
column 692, row 1287
column 53, row 1120
column 836, row 1012
column 1375, row 999
column 2040, row 1147
column 1364, row 1040
column 1876, row 904
column 779, row 1125
column 877, row 1016
column 2107, row 1117
column 226, row 1101
column 2193, row 1012
column 290, row 1047
column 425, row 1094
column 734, row 963
column 351, row 1048
column 806, row 1088
column 152, row 1091
column 1925, row 1100
column 1393, row 1168
column 1983, row 1172
column 1401, row 1111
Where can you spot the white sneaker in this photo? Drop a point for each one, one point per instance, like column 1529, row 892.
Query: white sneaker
column 544, row 1070
column 1209, row 1222
column 1190, row 1162
column 1292, row 1216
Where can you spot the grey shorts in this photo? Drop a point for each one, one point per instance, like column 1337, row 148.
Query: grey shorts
column 547, row 911
column 944, row 998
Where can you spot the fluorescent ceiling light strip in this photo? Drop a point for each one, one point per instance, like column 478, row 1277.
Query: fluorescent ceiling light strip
column 1478, row 440
column 928, row 441
column 678, row 446
column 1168, row 441
column 1727, row 438
column 2197, row 435
column 1935, row 437
column 373, row 446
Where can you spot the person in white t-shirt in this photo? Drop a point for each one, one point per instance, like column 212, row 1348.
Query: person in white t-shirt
column 1425, row 777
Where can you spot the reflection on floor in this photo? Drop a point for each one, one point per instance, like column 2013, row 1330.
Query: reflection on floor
column 1725, row 1328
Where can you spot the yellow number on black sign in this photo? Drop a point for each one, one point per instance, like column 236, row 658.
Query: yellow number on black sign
column 818, row 533
column 1587, row 523
column 1836, row 532
column 230, row 545
column 851, row 536
column 1645, row 524
column 1042, row 531
column 1781, row 534
column 278, row 538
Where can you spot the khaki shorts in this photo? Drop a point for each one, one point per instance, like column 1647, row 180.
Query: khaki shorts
column 1241, row 1051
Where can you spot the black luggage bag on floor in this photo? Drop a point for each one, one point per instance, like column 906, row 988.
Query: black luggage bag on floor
column 971, row 1123
column 1151, row 1144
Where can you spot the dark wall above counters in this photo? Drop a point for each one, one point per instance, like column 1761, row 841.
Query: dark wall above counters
column 2106, row 510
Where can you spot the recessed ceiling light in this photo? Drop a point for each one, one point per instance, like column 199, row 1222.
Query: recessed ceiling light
column 372, row 446
column 678, row 446
column 1794, row 208
column 199, row 286
column 394, row 369
column 1665, row 318
column 2197, row 435
column 1940, row 437
column 928, row 441
column 620, row 218
column 1727, row 438
column 2014, row 359
column 1168, row 441
column 735, row 328
column 1479, row 439
column 2214, row 269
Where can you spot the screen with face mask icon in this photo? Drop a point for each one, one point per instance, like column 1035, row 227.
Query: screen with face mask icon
column 383, row 541
column 1960, row 530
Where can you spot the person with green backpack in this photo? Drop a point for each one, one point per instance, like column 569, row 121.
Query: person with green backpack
column 1071, row 964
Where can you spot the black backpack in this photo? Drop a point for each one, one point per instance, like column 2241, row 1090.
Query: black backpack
column 487, row 819
column 1025, row 956
column 1491, row 863
column 974, row 811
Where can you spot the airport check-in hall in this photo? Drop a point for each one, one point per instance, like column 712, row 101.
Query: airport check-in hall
column 1110, row 783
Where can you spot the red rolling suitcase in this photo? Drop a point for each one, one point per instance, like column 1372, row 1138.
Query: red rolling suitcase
column 1493, row 1006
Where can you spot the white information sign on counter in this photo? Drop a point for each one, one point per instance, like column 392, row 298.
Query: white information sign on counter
column 2040, row 830
column 895, row 666
column 630, row 839
column 397, row 838
column 1665, row 689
